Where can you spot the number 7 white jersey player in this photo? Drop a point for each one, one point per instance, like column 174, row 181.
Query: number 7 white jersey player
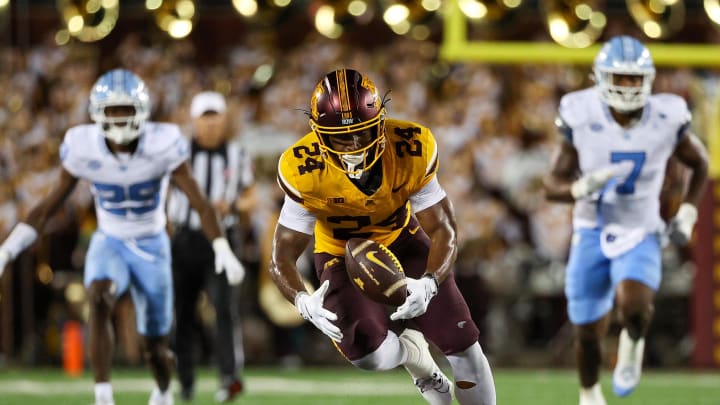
column 618, row 139
column 128, row 162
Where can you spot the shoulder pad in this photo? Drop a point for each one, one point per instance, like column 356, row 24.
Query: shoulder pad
column 411, row 139
column 672, row 106
column 77, row 145
column 574, row 106
column 298, row 165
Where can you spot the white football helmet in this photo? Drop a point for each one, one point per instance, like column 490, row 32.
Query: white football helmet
column 120, row 87
column 626, row 56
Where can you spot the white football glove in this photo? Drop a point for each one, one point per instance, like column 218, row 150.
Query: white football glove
column 311, row 308
column 420, row 292
column 22, row 236
column 591, row 182
column 681, row 226
column 225, row 260
column 4, row 259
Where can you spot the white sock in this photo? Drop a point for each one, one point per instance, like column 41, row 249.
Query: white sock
column 474, row 382
column 592, row 395
column 591, row 391
column 103, row 391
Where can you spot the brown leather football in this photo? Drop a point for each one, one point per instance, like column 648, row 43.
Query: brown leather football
column 375, row 271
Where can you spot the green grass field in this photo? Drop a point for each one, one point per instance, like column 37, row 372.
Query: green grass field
column 346, row 386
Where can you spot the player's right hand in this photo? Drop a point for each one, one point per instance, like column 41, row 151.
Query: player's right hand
column 420, row 292
column 225, row 260
column 680, row 228
column 591, row 182
column 4, row 259
column 311, row 308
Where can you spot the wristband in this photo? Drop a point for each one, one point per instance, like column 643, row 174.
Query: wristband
column 434, row 278
column 298, row 296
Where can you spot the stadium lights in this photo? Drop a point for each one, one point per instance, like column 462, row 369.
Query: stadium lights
column 262, row 14
column 87, row 20
column 657, row 18
column 409, row 17
column 492, row 10
column 573, row 23
column 330, row 17
column 251, row 8
column 173, row 16
column 712, row 8
column 325, row 22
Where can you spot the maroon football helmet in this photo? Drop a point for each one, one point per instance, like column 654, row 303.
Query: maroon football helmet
column 348, row 117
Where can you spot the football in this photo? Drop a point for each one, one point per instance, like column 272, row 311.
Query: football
column 375, row 271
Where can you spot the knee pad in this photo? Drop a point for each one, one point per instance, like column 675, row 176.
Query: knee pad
column 386, row 357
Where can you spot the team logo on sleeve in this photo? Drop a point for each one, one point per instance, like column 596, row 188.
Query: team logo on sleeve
column 94, row 165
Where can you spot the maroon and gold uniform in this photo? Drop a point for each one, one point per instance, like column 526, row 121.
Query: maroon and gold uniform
column 360, row 174
column 343, row 211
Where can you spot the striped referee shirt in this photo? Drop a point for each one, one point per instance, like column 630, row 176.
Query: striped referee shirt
column 222, row 173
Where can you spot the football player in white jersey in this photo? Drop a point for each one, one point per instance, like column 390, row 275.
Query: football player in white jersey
column 128, row 162
column 618, row 138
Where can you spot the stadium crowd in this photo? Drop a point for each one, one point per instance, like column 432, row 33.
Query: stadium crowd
column 494, row 125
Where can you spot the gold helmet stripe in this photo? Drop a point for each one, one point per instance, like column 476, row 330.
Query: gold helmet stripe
column 341, row 76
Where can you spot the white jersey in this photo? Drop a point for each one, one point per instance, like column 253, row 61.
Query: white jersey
column 639, row 155
column 130, row 191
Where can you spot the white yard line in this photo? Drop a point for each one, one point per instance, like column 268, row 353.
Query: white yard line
column 261, row 385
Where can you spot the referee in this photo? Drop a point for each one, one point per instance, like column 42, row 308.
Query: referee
column 223, row 170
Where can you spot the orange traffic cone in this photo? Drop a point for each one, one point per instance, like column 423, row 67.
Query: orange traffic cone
column 72, row 338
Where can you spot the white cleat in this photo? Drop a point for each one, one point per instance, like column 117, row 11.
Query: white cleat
column 592, row 396
column 104, row 402
column 628, row 369
column 435, row 388
column 158, row 397
column 430, row 381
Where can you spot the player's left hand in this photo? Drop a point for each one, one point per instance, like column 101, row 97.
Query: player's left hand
column 420, row 292
column 225, row 260
column 680, row 228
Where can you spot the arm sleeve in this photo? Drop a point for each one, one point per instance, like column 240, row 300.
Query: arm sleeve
column 431, row 194
column 295, row 217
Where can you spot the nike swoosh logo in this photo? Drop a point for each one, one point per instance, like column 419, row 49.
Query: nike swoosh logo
column 371, row 256
column 414, row 230
column 396, row 189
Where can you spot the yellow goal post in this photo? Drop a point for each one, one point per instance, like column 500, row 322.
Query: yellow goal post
column 456, row 47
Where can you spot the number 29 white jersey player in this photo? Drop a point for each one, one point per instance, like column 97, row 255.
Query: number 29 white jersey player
column 128, row 162
column 129, row 190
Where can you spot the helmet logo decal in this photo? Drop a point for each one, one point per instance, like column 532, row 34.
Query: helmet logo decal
column 370, row 86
